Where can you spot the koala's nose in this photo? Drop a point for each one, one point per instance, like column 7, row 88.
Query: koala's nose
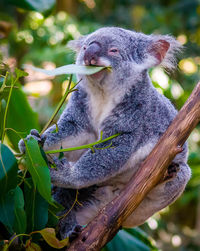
column 92, row 54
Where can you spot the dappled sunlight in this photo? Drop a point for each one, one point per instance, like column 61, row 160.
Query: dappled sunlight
column 90, row 3
column 176, row 241
column 182, row 39
column 160, row 77
column 176, row 90
column 37, row 82
column 72, row 29
column 152, row 223
column 41, row 88
column 188, row 66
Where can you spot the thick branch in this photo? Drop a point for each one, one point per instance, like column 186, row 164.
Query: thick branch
column 103, row 228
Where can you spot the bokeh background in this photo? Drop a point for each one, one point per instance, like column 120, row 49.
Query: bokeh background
column 36, row 32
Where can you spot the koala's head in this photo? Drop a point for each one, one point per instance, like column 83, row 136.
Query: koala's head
column 128, row 53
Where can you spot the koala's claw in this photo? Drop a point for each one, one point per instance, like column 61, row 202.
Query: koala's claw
column 74, row 233
column 34, row 134
column 172, row 171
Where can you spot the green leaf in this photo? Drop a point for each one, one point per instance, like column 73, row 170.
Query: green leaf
column 38, row 169
column 39, row 5
column 20, row 215
column 8, row 170
column 33, row 247
column 69, row 69
column 126, row 241
column 7, row 205
column 20, row 73
column 142, row 236
column 53, row 211
column 2, row 112
column 20, row 117
column 49, row 236
column 36, row 207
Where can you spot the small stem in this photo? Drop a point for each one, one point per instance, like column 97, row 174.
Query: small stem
column 18, row 155
column 4, row 81
column 6, row 110
column 83, row 146
column 22, row 178
column 15, row 238
column 75, row 201
column 68, row 90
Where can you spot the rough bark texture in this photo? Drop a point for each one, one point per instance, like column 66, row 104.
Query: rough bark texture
column 103, row 228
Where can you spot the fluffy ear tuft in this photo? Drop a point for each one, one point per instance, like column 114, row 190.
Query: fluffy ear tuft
column 76, row 45
column 164, row 50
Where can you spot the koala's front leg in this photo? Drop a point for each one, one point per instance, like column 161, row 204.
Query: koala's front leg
column 161, row 196
column 94, row 168
column 74, row 128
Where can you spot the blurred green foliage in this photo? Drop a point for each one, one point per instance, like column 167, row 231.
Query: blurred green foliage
column 38, row 35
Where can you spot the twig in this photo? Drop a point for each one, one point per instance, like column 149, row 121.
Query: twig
column 67, row 92
column 88, row 146
column 7, row 105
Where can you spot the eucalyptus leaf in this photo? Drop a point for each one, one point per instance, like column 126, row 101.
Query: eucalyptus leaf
column 127, row 241
column 38, row 169
column 36, row 207
column 33, row 247
column 20, row 73
column 69, row 69
column 20, row 215
column 8, row 170
column 49, row 236
column 52, row 216
column 7, row 205
column 20, row 117
column 39, row 5
column 2, row 112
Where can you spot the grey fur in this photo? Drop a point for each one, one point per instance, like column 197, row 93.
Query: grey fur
column 122, row 101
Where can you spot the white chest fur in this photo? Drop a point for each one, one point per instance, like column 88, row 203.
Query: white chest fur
column 101, row 105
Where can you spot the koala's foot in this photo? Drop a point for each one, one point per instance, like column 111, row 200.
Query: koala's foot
column 34, row 134
column 172, row 171
column 74, row 233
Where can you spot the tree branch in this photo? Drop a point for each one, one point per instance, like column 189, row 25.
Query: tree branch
column 103, row 228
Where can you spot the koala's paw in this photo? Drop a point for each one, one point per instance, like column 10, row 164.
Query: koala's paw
column 59, row 174
column 74, row 233
column 172, row 171
column 34, row 134
column 61, row 164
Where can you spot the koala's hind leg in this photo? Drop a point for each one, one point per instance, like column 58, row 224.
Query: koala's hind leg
column 67, row 224
column 162, row 195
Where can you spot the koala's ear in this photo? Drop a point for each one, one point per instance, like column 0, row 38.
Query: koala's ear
column 76, row 45
column 158, row 50
column 163, row 50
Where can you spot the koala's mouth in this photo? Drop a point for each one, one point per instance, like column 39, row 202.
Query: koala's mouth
column 99, row 75
column 99, row 62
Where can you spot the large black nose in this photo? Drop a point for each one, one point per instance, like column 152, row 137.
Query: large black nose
column 92, row 54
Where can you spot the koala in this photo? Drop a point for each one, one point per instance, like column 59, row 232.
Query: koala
column 122, row 100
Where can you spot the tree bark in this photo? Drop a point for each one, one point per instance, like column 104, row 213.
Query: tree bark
column 103, row 228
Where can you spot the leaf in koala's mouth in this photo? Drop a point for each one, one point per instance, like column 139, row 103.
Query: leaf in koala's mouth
column 69, row 69
column 98, row 75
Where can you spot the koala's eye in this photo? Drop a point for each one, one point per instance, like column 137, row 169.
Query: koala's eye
column 84, row 47
column 113, row 51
